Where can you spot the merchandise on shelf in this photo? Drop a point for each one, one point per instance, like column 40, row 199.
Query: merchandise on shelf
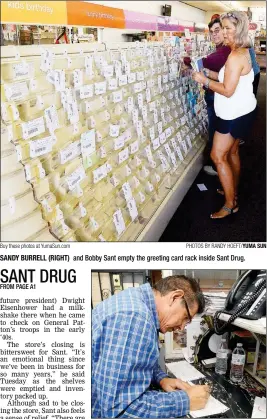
column 99, row 138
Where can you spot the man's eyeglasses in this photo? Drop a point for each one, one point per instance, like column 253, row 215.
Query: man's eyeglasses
column 188, row 312
column 217, row 30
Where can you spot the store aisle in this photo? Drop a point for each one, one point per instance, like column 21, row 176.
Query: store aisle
column 191, row 222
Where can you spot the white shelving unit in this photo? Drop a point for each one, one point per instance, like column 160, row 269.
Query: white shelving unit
column 255, row 327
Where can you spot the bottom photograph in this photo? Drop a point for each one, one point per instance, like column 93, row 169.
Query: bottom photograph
column 178, row 343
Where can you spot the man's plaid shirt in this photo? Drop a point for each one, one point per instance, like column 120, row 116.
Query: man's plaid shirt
column 125, row 360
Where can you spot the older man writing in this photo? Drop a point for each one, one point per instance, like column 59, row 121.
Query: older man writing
column 125, row 351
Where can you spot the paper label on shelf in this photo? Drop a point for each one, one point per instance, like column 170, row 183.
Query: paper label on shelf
column 119, row 142
column 40, row 147
column 148, row 153
column 100, row 88
column 127, row 192
column 149, row 187
column 70, row 152
column 160, row 127
column 168, row 132
column 156, row 143
column 136, row 182
column 139, row 128
column 152, row 106
column 88, row 142
column 162, row 138
column 167, row 149
column 130, row 104
column 102, row 238
column 22, row 69
column 134, row 147
column 144, row 112
column 123, row 80
column 152, row 133
column 119, row 222
column 114, row 181
column 138, row 87
column 142, row 197
column 19, row 152
column 140, row 76
column 59, row 213
column 87, row 91
column 114, row 130
column 60, row 80
column 128, row 171
column 140, row 100
column 16, row 91
column 83, row 211
column 108, row 71
column 94, row 224
column 112, row 84
column 173, row 160
column 77, row 78
column 179, row 153
column 102, row 152
column 100, row 173
column 148, row 95
column 117, row 96
column 123, row 155
column 46, row 205
column 76, row 177
column 132, row 78
column 156, row 117
column 12, row 205
column 183, row 144
column 73, row 112
column 89, row 66
column 28, row 173
column 131, row 205
column 51, row 118
column 46, row 60
column 32, row 128
column 189, row 141
column 135, row 116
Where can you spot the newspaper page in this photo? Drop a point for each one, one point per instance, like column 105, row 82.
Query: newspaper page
column 45, row 315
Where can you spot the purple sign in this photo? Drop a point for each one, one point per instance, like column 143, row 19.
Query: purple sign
column 143, row 21
column 167, row 23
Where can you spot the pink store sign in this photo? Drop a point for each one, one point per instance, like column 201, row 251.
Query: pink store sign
column 167, row 23
column 143, row 21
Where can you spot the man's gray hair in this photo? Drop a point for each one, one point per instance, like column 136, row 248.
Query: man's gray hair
column 190, row 286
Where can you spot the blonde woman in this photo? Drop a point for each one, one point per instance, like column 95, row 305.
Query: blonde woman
column 234, row 104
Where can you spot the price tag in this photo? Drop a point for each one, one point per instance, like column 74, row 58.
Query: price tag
column 114, row 181
column 83, row 211
column 130, row 104
column 140, row 76
column 87, row 91
column 89, row 66
column 100, row 173
column 138, row 87
column 94, row 224
column 102, row 238
column 108, row 71
column 142, row 197
column 119, row 222
column 32, row 128
column 117, row 96
column 114, row 130
column 189, row 141
column 140, row 100
column 156, row 143
column 134, row 147
column 70, row 152
column 119, row 142
column 51, row 118
column 76, row 177
column 123, row 155
column 131, row 205
column 112, row 84
column 16, row 91
column 152, row 133
column 168, row 150
column 183, row 144
column 40, row 147
column 135, row 116
column 22, row 69
column 162, row 138
column 127, row 192
column 132, row 78
column 73, row 112
column 88, row 145
column 123, row 80
column 77, row 78
column 100, row 88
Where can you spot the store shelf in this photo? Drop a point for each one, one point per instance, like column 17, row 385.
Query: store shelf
column 164, row 213
column 256, row 326
column 249, row 370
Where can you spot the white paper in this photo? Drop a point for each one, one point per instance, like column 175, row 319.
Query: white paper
column 184, row 371
column 259, row 408
column 213, row 407
column 201, row 187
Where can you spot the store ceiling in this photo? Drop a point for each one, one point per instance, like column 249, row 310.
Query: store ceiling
column 224, row 6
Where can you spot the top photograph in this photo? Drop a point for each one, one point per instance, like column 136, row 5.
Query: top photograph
column 133, row 121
